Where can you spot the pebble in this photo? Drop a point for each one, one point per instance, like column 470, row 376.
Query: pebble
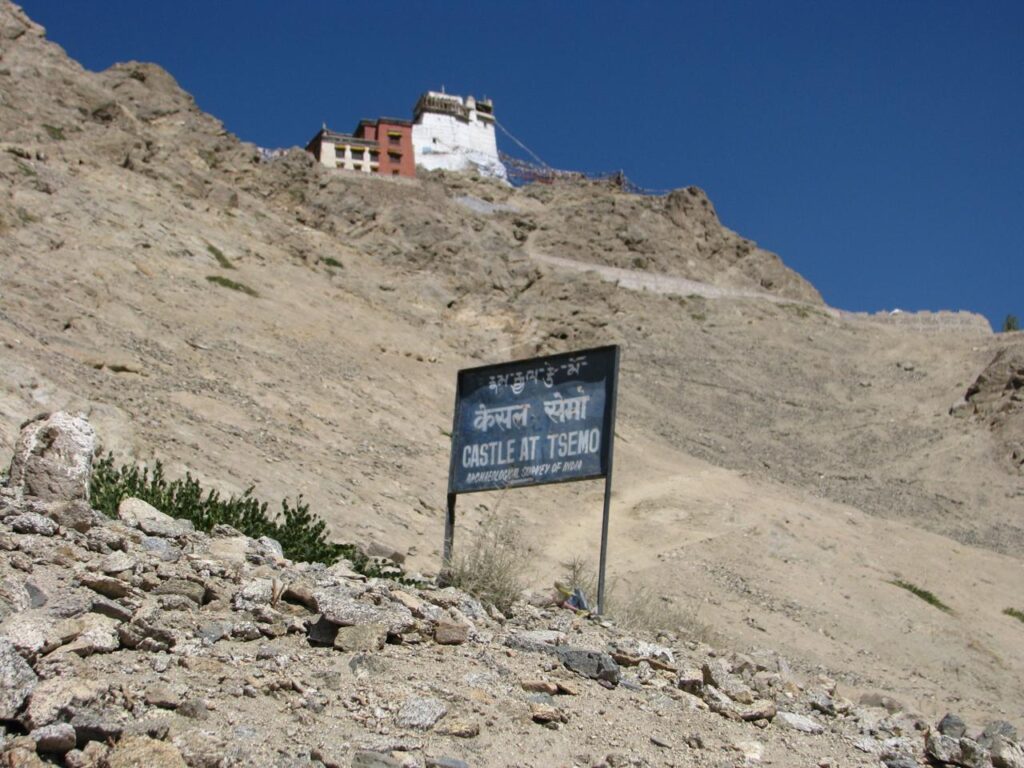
column 420, row 713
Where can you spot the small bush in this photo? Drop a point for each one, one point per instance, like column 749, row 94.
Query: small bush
column 489, row 566
column 54, row 132
column 332, row 262
column 302, row 535
column 1013, row 612
column 233, row 285
column 218, row 254
column 25, row 168
column 1011, row 323
column 580, row 575
column 924, row 594
column 797, row 309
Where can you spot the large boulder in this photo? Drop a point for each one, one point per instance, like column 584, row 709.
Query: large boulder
column 53, row 457
column 150, row 520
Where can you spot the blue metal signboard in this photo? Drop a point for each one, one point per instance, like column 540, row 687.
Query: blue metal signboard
column 545, row 420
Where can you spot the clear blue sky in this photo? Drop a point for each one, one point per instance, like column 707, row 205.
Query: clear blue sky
column 878, row 147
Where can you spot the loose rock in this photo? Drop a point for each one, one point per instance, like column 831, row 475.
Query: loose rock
column 450, row 633
column 54, row 739
column 420, row 713
column 798, row 722
column 17, row 680
column 30, row 522
column 150, row 520
column 367, row 637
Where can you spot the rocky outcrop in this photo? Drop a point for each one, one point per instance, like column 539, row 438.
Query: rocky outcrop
column 53, row 458
column 996, row 398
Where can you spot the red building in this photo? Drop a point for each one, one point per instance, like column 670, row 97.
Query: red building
column 381, row 146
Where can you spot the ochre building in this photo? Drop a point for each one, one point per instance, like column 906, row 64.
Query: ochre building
column 381, row 146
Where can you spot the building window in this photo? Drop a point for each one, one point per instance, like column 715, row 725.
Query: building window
column 394, row 172
column 357, row 167
column 394, row 140
column 394, row 157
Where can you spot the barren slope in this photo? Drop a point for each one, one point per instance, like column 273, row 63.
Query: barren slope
column 335, row 381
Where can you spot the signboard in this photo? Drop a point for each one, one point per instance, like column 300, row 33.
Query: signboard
column 545, row 420
column 530, row 422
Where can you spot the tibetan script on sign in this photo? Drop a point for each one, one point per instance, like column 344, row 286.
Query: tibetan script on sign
column 545, row 420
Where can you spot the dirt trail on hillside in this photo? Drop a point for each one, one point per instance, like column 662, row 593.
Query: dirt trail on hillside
column 641, row 280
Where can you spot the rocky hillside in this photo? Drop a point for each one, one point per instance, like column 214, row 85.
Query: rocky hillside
column 139, row 641
column 781, row 467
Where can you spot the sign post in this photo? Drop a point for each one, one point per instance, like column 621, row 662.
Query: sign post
column 532, row 422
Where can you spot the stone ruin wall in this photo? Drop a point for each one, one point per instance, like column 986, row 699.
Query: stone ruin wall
column 926, row 321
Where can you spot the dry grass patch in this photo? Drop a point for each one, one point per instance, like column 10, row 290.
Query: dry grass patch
column 637, row 608
column 490, row 564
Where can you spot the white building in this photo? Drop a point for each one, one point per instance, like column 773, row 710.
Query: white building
column 456, row 134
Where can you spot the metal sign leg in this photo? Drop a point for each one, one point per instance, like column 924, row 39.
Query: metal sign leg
column 604, row 542
column 449, row 534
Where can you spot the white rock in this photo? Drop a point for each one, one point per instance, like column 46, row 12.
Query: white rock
column 99, row 635
column 53, row 458
column 798, row 722
column 231, row 549
column 257, row 593
column 150, row 520
column 31, row 522
column 420, row 713
column 752, row 751
column 30, row 634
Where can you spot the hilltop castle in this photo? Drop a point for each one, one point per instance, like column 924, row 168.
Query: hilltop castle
column 447, row 132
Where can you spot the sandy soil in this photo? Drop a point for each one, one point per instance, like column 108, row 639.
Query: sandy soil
column 778, row 466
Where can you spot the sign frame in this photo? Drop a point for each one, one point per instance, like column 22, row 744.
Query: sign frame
column 607, row 451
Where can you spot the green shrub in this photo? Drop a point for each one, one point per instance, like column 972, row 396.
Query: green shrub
column 1018, row 615
column 235, row 286
column 302, row 535
column 332, row 262
column 1011, row 323
column 218, row 254
column 54, row 132
column 924, row 594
